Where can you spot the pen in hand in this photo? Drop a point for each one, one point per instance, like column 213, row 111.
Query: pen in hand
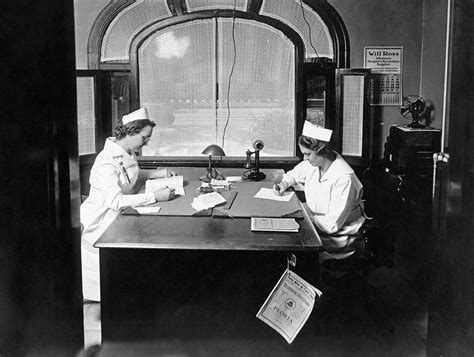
column 277, row 189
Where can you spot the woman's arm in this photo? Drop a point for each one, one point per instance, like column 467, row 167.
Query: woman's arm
column 342, row 198
column 108, row 182
column 298, row 173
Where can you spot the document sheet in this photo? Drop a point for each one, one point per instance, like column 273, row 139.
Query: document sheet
column 207, row 200
column 267, row 193
column 274, row 224
column 154, row 210
column 289, row 305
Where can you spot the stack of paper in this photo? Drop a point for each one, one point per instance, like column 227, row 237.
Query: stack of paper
column 206, row 201
column 176, row 182
column 274, row 224
column 219, row 183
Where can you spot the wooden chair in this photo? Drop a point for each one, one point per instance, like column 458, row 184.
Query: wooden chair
column 383, row 205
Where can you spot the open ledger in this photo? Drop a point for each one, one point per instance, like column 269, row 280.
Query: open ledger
column 289, row 305
column 274, row 224
column 176, row 182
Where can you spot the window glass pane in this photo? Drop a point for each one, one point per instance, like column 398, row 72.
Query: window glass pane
column 314, row 35
column 196, row 5
column 177, row 86
column 120, row 32
column 316, row 100
column 262, row 89
column 184, row 80
column 86, row 115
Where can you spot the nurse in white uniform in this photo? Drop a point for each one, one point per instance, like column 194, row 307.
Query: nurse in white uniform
column 115, row 180
column 333, row 192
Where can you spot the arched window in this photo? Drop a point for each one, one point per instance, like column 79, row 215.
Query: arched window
column 223, row 72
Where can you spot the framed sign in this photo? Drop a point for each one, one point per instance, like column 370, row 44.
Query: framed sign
column 386, row 64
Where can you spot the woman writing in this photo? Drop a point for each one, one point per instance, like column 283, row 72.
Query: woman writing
column 333, row 192
column 115, row 180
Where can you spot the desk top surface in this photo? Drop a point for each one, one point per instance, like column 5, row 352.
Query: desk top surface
column 203, row 233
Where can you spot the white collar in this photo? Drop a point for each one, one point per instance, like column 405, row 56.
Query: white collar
column 338, row 168
column 115, row 150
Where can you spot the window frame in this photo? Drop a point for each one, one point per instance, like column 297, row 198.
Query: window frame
column 228, row 160
column 102, row 126
column 328, row 14
column 362, row 160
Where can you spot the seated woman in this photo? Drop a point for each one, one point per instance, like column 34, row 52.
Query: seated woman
column 333, row 192
column 115, row 180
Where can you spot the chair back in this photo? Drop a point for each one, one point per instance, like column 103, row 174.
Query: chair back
column 383, row 202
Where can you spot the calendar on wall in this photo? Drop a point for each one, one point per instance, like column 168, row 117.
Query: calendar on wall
column 386, row 64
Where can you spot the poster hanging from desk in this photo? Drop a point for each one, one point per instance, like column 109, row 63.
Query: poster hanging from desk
column 386, row 65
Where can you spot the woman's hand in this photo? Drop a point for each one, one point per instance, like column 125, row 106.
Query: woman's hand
column 160, row 173
column 170, row 173
column 279, row 188
column 164, row 194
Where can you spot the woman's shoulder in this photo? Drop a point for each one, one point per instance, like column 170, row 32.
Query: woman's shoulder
column 340, row 167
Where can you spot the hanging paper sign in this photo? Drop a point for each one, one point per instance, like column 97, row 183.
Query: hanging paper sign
column 289, row 305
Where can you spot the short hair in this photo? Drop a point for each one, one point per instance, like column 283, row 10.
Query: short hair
column 321, row 148
column 132, row 128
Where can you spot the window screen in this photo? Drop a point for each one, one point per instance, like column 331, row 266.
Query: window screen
column 352, row 115
column 201, row 91
column 197, row 5
column 120, row 32
column 306, row 22
column 86, row 115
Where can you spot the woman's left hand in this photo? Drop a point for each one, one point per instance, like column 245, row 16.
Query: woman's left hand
column 170, row 173
column 160, row 173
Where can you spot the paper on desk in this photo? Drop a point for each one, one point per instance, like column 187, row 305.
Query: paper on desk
column 147, row 210
column 267, row 193
column 176, row 182
column 234, row 178
column 289, row 305
column 215, row 182
column 207, row 200
column 274, row 224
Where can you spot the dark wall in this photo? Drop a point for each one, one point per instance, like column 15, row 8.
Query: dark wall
column 433, row 58
column 388, row 23
column 40, row 292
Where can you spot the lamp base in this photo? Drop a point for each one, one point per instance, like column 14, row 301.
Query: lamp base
column 256, row 176
column 212, row 174
column 205, row 178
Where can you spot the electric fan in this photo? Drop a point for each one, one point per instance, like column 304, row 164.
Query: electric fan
column 414, row 105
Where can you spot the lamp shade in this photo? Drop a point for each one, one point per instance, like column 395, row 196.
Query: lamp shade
column 213, row 150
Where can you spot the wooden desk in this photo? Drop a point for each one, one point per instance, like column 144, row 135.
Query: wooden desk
column 169, row 277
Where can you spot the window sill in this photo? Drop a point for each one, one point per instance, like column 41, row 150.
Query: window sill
column 152, row 162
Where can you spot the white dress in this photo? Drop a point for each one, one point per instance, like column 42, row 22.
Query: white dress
column 335, row 200
column 115, row 178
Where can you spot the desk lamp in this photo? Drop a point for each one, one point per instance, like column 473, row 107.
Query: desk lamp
column 212, row 173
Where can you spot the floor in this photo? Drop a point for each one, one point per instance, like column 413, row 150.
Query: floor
column 393, row 323
column 92, row 327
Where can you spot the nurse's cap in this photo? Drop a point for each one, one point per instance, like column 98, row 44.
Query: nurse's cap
column 138, row 114
column 316, row 132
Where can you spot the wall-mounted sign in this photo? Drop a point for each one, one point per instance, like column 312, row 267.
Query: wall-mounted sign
column 386, row 64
